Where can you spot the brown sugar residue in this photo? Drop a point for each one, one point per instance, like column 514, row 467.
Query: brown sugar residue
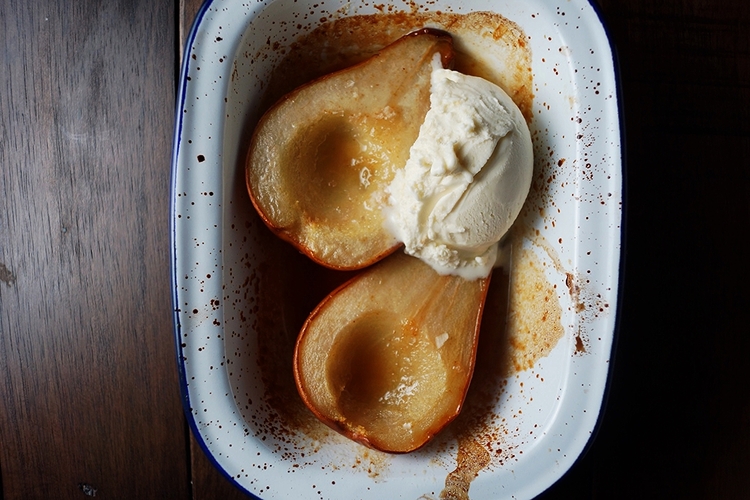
column 371, row 462
column 580, row 346
column 535, row 315
column 574, row 289
column 472, row 458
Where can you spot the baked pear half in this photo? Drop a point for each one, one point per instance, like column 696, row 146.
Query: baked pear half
column 321, row 158
column 387, row 358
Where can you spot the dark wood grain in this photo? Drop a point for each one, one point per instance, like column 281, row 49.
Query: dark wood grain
column 88, row 380
column 87, row 367
column 208, row 482
column 188, row 9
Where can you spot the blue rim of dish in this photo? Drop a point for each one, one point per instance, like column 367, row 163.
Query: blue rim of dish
column 177, row 327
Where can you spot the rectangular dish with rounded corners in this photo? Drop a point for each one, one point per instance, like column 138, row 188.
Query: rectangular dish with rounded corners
column 240, row 295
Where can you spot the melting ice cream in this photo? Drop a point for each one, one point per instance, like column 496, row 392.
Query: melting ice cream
column 466, row 179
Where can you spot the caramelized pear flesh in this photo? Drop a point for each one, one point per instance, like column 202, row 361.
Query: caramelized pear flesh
column 320, row 158
column 387, row 358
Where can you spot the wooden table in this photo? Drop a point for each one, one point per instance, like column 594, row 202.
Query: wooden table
column 88, row 378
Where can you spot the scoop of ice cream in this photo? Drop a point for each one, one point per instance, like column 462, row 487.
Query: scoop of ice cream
column 466, row 179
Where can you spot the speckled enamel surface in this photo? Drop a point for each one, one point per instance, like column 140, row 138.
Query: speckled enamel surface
column 545, row 415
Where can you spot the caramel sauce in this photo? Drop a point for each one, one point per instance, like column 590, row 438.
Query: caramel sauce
column 472, row 458
column 535, row 316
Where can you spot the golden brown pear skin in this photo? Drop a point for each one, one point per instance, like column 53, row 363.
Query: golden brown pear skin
column 320, row 158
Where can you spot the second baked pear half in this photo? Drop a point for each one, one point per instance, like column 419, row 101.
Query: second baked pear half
column 386, row 359
column 321, row 158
